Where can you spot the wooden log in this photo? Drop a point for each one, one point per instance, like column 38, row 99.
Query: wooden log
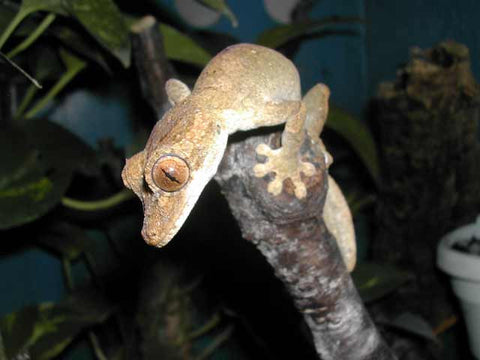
column 427, row 121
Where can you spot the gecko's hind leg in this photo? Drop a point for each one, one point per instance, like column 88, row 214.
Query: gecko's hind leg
column 336, row 213
column 339, row 222
column 316, row 102
column 285, row 162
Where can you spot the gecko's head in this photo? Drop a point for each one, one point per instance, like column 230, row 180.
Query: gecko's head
column 170, row 175
column 169, row 194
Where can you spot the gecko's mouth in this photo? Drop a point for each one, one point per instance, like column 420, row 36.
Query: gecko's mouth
column 161, row 222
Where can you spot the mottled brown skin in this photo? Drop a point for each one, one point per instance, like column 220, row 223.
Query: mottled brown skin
column 244, row 87
column 191, row 139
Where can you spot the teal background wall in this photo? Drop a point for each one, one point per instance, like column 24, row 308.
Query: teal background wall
column 395, row 26
column 352, row 66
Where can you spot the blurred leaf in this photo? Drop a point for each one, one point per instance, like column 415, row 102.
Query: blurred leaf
column 33, row 36
column 26, row 8
column 45, row 330
column 104, row 21
column 46, row 66
column 354, row 131
column 55, row 6
column 69, row 38
column 72, row 62
column 73, row 66
column 7, row 13
column 80, row 45
column 36, row 165
column 414, row 324
column 182, row 48
column 358, row 199
column 19, row 155
column 222, row 7
column 66, row 239
column 280, row 35
column 374, row 281
column 46, row 63
column 214, row 42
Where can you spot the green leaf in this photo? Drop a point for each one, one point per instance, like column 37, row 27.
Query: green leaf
column 280, row 35
column 36, row 165
column 374, row 281
column 7, row 13
column 222, row 7
column 33, row 36
column 73, row 66
column 79, row 44
column 104, row 21
column 47, row 66
column 354, row 131
column 28, row 7
column 45, row 330
column 182, row 48
column 72, row 63
column 55, row 6
column 69, row 38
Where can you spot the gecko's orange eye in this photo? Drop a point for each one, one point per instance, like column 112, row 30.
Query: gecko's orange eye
column 170, row 173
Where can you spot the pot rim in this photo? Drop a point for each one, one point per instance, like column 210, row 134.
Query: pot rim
column 457, row 263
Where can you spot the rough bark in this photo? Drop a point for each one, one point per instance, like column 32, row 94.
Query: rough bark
column 151, row 63
column 427, row 121
column 293, row 238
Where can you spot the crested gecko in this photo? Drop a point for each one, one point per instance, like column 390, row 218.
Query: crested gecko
column 243, row 87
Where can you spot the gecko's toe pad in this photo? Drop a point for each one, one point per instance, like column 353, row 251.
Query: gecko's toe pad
column 284, row 165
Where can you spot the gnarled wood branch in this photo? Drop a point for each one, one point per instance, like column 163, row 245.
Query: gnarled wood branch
column 292, row 236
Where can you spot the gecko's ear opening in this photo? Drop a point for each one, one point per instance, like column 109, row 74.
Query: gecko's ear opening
column 177, row 91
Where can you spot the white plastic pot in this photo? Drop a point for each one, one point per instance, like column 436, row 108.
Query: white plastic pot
column 464, row 270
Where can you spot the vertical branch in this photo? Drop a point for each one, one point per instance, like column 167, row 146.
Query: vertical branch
column 293, row 238
column 151, row 63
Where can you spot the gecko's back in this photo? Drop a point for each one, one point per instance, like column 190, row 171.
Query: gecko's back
column 247, row 71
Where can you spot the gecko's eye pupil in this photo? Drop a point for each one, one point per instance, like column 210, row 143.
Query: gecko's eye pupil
column 170, row 173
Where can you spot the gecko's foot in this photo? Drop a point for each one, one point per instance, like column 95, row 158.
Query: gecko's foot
column 284, row 164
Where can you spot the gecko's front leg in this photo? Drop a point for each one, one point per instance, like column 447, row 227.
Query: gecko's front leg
column 285, row 161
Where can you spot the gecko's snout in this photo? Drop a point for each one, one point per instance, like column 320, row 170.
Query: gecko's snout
column 154, row 237
column 162, row 220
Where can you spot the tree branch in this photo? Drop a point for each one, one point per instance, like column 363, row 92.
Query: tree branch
column 151, row 63
column 293, row 238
